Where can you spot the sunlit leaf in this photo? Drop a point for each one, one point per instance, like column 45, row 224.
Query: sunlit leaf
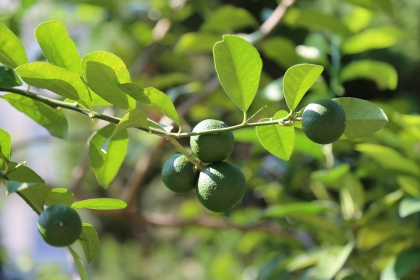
column 104, row 72
column 106, row 163
column 277, row 139
column 21, row 174
column 100, row 204
column 409, row 206
column 135, row 118
column 196, row 43
column 238, row 65
column 59, row 196
column 12, row 52
column 136, row 92
column 297, row 81
column 5, row 144
column 51, row 119
column 57, row 47
column 314, row 207
column 400, row 265
column 410, row 185
column 362, row 117
column 161, row 101
column 90, row 242
column 358, row 19
column 56, row 79
column 79, row 265
column 382, row 73
column 229, row 18
column 281, row 50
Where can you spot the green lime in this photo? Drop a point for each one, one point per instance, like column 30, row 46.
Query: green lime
column 324, row 121
column 179, row 175
column 213, row 147
column 220, row 186
column 59, row 225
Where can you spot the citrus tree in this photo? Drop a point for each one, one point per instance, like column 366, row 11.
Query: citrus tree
column 98, row 80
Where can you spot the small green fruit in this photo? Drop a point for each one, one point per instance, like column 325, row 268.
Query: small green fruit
column 324, row 121
column 179, row 175
column 220, row 186
column 59, row 225
column 213, row 147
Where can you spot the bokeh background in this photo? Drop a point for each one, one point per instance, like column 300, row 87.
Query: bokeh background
column 342, row 211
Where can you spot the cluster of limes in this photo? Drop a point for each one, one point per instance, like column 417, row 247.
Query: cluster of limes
column 219, row 185
column 59, row 225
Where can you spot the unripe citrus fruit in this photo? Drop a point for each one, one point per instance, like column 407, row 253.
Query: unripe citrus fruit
column 59, row 225
column 178, row 174
column 324, row 121
column 220, row 186
column 213, row 147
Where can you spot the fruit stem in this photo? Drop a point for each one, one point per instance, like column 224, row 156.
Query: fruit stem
column 179, row 147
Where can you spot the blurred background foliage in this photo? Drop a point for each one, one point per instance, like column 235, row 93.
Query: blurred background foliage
column 342, row 211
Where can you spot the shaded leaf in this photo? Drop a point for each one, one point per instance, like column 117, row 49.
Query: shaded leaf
column 400, row 265
column 307, row 147
column 277, row 139
column 12, row 52
column 331, row 177
column 79, row 265
column 194, row 42
column 229, row 18
column 161, row 101
column 297, row 81
column 134, row 118
column 100, row 204
column 409, row 206
column 5, row 144
column 90, row 243
column 136, row 92
column 57, row 47
column 314, row 207
column 59, row 196
column 362, row 117
column 22, row 173
column 105, row 164
column 238, row 65
column 104, row 72
column 382, row 73
column 389, row 158
column 56, row 79
column 34, row 193
column 281, row 50
column 51, row 119
column 8, row 78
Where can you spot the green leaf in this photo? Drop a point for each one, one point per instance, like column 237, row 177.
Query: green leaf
column 106, row 164
column 8, row 78
column 384, row 5
column 79, row 265
column 280, row 211
column 389, row 158
column 12, row 52
column 91, row 243
column 410, row 185
column 135, row 91
column 238, row 65
column 400, row 265
column 297, row 81
column 307, row 147
column 196, row 43
column 104, row 72
column 331, row 177
column 409, row 206
column 362, row 117
column 57, row 47
column 228, row 18
column 382, row 73
column 59, row 196
column 358, row 19
column 100, row 204
column 311, row 19
column 56, row 79
column 51, row 119
column 5, row 144
column 161, row 101
column 374, row 38
column 352, row 196
column 329, row 266
column 281, row 50
column 34, row 193
column 21, row 174
column 277, row 139
column 134, row 118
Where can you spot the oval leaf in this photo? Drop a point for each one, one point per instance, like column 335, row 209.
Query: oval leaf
column 135, row 91
column 57, row 47
column 280, row 211
column 134, row 118
column 8, row 78
column 79, row 265
column 105, row 164
column 400, row 265
column 277, row 139
column 297, row 81
column 59, row 196
column 100, row 204
column 34, row 193
column 281, row 50
column 12, row 52
column 409, row 206
column 22, row 173
column 161, row 101
column 56, row 79
column 238, row 65
column 5, row 144
column 51, row 119
column 362, row 117
column 104, row 72
column 383, row 74
column 196, row 43
column 90, row 243
column 228, row 18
